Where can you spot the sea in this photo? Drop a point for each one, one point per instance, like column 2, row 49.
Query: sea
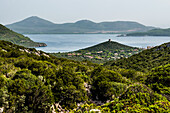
column 71, row 42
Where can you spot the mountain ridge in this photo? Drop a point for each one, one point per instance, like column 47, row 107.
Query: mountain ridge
column 36, row 24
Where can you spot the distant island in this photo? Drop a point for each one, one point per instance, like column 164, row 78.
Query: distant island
column 101, row 53
column 36, row 25
column 153, row 32
column 16, row 38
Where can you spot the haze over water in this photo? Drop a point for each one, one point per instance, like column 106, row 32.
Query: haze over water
column 71, row 42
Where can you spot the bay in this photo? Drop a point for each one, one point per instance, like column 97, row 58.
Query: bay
column 71, row 42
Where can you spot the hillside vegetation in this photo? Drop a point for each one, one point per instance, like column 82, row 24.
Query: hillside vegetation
column 34, row 81
column 8, row 35
column 146, row 60
column 38, row 25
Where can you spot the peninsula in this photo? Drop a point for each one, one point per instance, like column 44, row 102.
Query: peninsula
column 16, row 38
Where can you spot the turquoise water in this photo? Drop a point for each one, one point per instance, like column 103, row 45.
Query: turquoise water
column 72, row 42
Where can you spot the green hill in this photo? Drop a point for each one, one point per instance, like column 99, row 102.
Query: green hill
column 154, row 32
column 38, row 25
column 101, row 53
column 34, row 81
column 146, row 60
column 8, row 35
column 107, row 46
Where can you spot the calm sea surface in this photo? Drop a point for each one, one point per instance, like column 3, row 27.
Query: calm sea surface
column 72, row 42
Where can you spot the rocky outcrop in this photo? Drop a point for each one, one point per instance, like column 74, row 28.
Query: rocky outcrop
column 56, row 108
column 1, row 109
column 41, row 45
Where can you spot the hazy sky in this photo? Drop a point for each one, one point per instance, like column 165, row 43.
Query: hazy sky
column 148, row 12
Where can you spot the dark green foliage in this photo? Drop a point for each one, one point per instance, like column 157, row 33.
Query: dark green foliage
column 69, row 88
column 11, row 36
column 29, row 93
column 160, row 75
column 153, row 32
column 37, row 25
column 106, row 84
column 139, row 98
column 131, row 74
column 159, row 80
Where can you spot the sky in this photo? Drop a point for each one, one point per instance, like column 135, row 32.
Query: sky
column 148, row 12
